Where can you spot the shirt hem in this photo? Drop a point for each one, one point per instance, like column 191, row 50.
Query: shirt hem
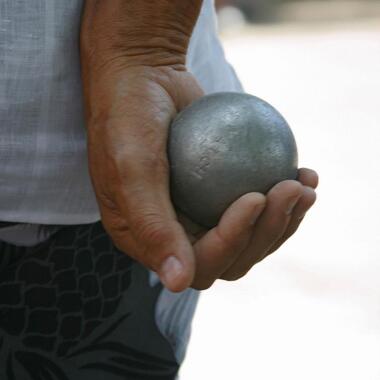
column 56, row 219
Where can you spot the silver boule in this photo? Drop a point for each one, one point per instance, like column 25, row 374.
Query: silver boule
column 223, row 146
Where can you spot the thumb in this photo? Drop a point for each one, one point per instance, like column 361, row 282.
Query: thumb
column 154, row 237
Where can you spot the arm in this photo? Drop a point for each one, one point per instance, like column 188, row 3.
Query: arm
column 139, row 32
column 133, row 69
column 135, row 80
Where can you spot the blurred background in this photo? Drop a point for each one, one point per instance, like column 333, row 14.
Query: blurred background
column 312, row 310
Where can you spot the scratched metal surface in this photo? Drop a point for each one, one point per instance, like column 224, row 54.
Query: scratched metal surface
column 224, row 146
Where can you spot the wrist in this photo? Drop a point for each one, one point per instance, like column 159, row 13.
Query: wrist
column 138, row 32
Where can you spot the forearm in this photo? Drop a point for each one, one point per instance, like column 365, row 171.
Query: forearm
column 139, row 31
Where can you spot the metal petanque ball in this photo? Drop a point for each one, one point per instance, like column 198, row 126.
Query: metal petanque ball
column 223, row 146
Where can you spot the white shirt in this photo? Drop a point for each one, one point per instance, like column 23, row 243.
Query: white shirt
column 44, row 177
column 43, row 160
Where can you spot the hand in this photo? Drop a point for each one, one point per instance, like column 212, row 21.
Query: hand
column 251, row 229
column 134, row 85
column 134, row 80
column 130, row 110
column 129, row 169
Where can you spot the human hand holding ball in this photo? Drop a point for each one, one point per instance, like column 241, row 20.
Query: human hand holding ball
column 130, row 166
column 224, row 146
column 226, row 151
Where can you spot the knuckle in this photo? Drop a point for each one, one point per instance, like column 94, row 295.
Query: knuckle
column 233, row 276
column 107, row 202
column 253, row 199
column 224, row 242
column 152, row 230
column 274, row 227
column 230, row 277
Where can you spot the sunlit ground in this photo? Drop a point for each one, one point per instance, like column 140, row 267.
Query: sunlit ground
column 312, row 311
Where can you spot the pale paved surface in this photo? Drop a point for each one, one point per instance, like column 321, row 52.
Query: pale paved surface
column 313, row 310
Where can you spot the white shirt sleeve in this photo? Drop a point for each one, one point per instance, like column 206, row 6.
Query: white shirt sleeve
column 206, row 59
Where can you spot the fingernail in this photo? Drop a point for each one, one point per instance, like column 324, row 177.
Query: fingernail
column 256, row 213
column 292, row 204
column 170, row 270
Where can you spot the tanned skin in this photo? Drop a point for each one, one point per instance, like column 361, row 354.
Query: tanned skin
column 133, row 55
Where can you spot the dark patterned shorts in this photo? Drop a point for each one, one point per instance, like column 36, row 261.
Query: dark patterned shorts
column 76, row 308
